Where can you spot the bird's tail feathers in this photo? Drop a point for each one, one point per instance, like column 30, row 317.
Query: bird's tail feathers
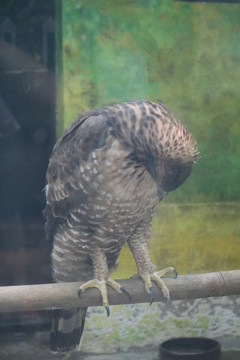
column 67, row 329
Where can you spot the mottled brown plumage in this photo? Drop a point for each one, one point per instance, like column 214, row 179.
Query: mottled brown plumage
column 106, row 175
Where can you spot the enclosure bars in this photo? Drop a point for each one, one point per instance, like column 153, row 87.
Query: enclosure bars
column 47, row 296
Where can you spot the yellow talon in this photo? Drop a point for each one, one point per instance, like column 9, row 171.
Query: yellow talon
column 156, row 277
column 102, row 287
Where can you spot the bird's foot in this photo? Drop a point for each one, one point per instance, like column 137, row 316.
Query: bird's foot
column 102, row 287
column 156, row 276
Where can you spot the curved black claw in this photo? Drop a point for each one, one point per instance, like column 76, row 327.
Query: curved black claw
column 107, row 310
column 79, row 292
column 151, row 295
column 175, row 272
column 126, row 292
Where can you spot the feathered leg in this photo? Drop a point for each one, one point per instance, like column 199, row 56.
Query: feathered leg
column 146, row 269
column 102, row 279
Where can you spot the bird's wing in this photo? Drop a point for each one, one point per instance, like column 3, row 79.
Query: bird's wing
column 66, row 178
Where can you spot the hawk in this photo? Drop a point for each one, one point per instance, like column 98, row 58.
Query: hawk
column 106, row 175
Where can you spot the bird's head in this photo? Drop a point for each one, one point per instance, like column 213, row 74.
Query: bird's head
column 174, row 172
column 157, row 140
column 170, row 159
column 169, row 174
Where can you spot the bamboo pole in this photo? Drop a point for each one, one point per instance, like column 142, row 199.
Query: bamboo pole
column 64, row 295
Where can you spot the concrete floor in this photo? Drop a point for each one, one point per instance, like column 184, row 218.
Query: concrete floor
column 35, row 345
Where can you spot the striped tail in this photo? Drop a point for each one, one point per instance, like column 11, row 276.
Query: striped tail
column 67, row 329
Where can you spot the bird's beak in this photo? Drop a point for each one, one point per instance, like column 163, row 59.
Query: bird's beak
column 161, row 193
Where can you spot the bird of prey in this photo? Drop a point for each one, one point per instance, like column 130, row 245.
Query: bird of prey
column 106, row 175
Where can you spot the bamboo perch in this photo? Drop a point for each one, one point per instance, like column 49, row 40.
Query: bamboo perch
column 47, row 296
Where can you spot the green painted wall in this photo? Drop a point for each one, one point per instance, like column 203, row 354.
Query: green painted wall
column 184, row 54
column 187, row 56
